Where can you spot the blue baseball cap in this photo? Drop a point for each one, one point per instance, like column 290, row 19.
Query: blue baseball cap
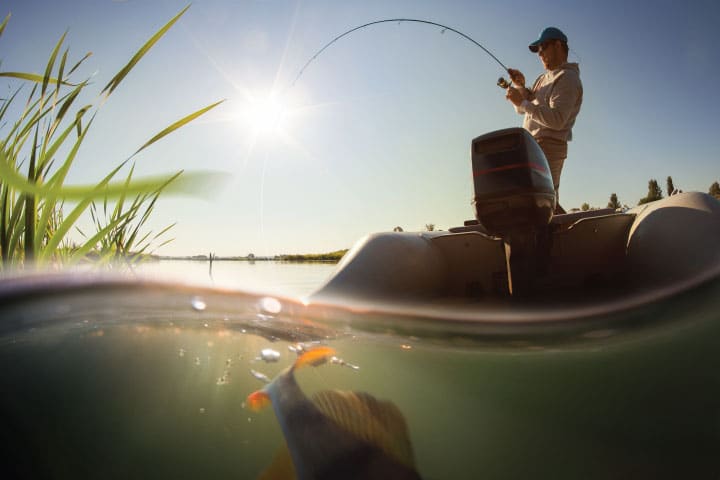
column 550, row 33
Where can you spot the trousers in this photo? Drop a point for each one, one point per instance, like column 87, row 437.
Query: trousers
column 556, row 152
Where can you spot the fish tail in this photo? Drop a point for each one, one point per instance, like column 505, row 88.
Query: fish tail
column 260, row 399
column 316, row 356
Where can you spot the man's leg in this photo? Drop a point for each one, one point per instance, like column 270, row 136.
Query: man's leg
column 558, row 209
column 556, row 152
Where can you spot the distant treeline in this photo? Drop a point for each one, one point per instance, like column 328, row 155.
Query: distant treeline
column 654, row 193
column 306, row 257
column 314, row 257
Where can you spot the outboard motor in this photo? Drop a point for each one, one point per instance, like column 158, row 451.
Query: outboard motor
column 514, row 199
column 513, row 186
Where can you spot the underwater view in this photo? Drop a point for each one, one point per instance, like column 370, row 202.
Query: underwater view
column 110, row 377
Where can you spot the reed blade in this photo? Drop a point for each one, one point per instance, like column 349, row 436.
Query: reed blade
column 183, row 121
column 34, row 77
column 84, row 249
column 4, row 23
column 113, row 84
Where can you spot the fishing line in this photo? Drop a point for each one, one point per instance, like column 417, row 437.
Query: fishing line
column 398, row 20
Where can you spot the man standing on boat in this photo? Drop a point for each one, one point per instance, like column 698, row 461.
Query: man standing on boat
column 553, row 102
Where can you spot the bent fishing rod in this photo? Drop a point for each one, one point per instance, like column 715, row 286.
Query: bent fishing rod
column 501, row 82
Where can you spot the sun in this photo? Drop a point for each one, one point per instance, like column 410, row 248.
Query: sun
column 266, row 119
column 266, row 115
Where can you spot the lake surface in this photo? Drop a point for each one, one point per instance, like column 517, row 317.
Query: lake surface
column 117, row 377
column 285, row 278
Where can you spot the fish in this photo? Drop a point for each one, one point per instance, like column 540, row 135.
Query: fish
column 335, row 434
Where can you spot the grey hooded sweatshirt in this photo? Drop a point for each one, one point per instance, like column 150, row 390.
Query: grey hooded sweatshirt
column 557, row 95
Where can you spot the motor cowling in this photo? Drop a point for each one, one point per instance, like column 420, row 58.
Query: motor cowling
column 512, row 182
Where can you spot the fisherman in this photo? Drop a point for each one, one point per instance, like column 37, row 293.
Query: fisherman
column 553, row 102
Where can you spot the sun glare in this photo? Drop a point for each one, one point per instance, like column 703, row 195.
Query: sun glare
column 266, row 115
column 267, row 118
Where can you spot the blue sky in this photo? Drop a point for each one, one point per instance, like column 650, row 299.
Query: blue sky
column 376, row 132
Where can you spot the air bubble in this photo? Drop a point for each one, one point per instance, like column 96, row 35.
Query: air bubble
column 269, row 355
column 198, row 304
column 340, row 361
column 270, row 305
column 260, row 376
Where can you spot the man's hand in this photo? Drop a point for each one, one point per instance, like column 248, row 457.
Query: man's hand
column 517, row 77
column 515, row 96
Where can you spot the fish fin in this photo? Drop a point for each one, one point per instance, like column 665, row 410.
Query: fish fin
column 258, row 400
column 377, row 422
column 316, row 356
column 281, row 467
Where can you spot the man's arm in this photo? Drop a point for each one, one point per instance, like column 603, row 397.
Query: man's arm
column 562, row 103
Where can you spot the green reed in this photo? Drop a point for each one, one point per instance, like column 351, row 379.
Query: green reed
column 34, row 227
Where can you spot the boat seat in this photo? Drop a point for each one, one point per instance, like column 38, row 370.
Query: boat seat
column 477, row 263
column 557, row 222
column 566, row 219
column 590, row 250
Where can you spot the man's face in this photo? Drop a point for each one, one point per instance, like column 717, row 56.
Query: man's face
column 551, row 54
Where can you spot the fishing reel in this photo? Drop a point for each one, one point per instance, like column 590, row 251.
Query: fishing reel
column 502, row 83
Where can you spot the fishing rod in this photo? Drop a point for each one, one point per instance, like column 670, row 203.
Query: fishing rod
column 501, row 82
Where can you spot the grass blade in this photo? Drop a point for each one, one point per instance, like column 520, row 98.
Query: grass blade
column 51, row 65
column 177, row 125
column 72, row 70
column 90, row 243
column 30, row 205
column 4, row 24
column 113, row 84
column 191, row 183
column 4, row 238
column 33, row 77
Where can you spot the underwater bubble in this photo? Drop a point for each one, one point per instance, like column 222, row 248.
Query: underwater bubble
column 341, row 362
column 202, row 410
column 300, row 348
column 269, row 355
column 197, row 360
column 181, row 352
column 198, row 304
column 260, row 376
column 270, row 305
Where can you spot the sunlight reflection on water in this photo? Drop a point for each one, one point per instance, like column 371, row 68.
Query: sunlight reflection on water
column 282, row 278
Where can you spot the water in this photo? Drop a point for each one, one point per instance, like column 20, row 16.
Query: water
column 113, row 378
column 285, row 278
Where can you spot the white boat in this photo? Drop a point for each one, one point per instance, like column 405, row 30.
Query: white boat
column 516, row 249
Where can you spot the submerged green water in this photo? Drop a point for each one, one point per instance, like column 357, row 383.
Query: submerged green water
column 139, row 384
